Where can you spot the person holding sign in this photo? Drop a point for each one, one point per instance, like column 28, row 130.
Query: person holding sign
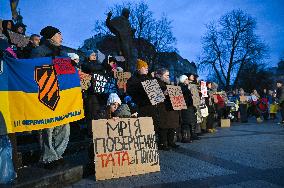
column 196, row 117
column 168, row 117
column 93, row 100
column 210, row 124
column 186, row 114
column 137, row 92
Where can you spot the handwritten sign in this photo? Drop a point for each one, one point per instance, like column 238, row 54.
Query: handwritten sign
column 203, row 88
column 243, row 99
column 85, row 80
column 153, row 91
column 104, row 84
column 124, row 147
column 122, row 78
column 63, row 66
column 176, row 97
column 18, row 39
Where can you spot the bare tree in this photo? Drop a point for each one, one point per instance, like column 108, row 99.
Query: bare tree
column 229, row 44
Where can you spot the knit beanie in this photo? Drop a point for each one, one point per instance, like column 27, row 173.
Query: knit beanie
column 113, row 97
column 140, row 64
column 182, row 78
column 48, row 32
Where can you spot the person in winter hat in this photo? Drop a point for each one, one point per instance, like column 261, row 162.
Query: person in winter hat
column 113, row 98
column 186, row 114
column 168, row 118
column 75, row 59
column 136, row 91
column 193, row 86
column 54, row 140
column 183, row 78
column 51, row 42
column 141, row 64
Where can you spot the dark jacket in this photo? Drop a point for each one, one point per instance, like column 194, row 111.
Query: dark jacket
column 27, row 51
column 5, row 30
column 188, row 116
column 168, row 117
column 136, row 90
column 187, row 95
column 123, row 111
column 47, row 49
column 94, row 101
column 280, row 94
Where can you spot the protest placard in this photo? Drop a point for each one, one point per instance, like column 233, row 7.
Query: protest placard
column 18, row 39
column 203, row 88
column 122, row 78
column 124, row 147
column 176, row 97
column 85, row 80
column 104, row 84
column 154, row 92
column 243, row 99
column 63, row 66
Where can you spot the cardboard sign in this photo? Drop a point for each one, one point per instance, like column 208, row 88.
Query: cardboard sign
column 85, row 80
column 225, row 123
column 124, row 147
column 176, row 97
column 104, row 84
column 203, row 88
column 19, row 40
column 63, row 66
column 243, row 99
column 153, row 91
column 122, row 78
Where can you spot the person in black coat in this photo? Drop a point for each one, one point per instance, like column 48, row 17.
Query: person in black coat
column 137, row 92
column 7, row 26
column 33, row 43
column 210, row 124
column 186, row 114
column 280, row 97
column 168, row 117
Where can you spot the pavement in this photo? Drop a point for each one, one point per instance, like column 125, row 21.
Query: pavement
column 244, row 155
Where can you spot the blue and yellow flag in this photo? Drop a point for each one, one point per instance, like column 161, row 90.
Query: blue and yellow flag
column 39, row 93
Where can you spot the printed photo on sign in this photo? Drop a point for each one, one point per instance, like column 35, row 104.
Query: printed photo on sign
column 203, row 89
column 124, row 147
column 154, row 92
column 176, row 97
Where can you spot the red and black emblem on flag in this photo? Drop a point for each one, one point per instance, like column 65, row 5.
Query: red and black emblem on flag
column 47, row 82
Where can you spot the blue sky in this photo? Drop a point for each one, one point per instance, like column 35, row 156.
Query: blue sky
column 76, row 18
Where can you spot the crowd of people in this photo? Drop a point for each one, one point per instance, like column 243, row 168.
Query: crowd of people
column 203, row 113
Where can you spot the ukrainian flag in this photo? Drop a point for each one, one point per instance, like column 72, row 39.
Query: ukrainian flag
column 33, row 95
